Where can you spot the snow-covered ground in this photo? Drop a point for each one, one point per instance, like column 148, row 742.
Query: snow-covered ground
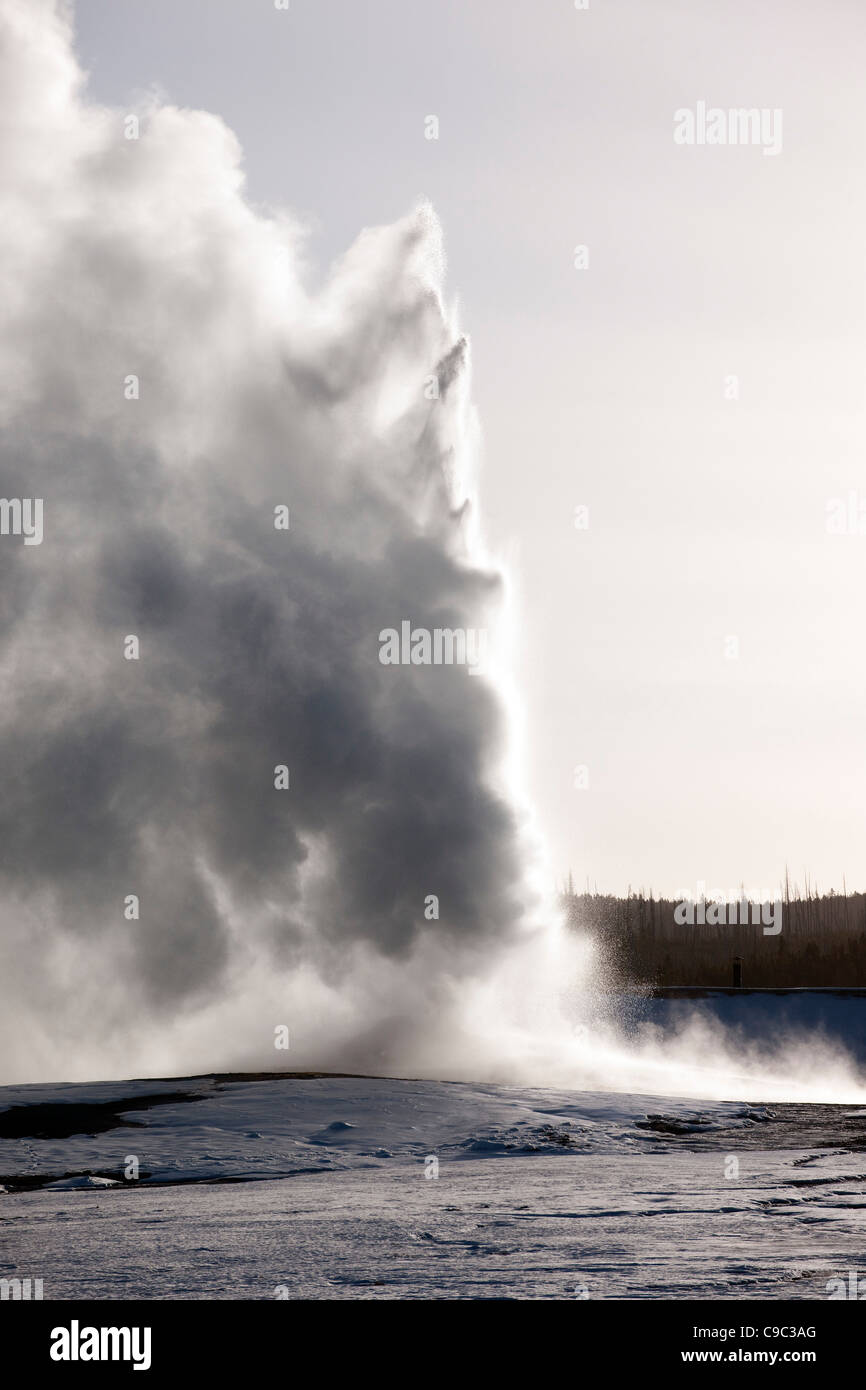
column 317, row 1188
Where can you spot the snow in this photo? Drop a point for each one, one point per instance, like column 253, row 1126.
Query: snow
column 315, row 1187
column 273, row 1128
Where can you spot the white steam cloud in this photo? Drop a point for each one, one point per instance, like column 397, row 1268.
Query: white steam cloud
column 167, row 379
column 168, row 384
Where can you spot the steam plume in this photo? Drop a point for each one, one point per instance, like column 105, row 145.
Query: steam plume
column 167, row 381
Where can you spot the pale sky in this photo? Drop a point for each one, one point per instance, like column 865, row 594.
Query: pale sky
column 606, row 386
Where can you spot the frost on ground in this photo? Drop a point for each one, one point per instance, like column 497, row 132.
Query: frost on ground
column 318, row 1187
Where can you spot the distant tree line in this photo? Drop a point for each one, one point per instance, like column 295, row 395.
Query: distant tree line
column 822, row 941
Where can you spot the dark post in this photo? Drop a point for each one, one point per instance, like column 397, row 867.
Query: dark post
column 738, row 972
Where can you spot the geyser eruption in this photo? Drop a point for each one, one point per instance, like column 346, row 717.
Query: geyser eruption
column 211, row 779
column 224, row 817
